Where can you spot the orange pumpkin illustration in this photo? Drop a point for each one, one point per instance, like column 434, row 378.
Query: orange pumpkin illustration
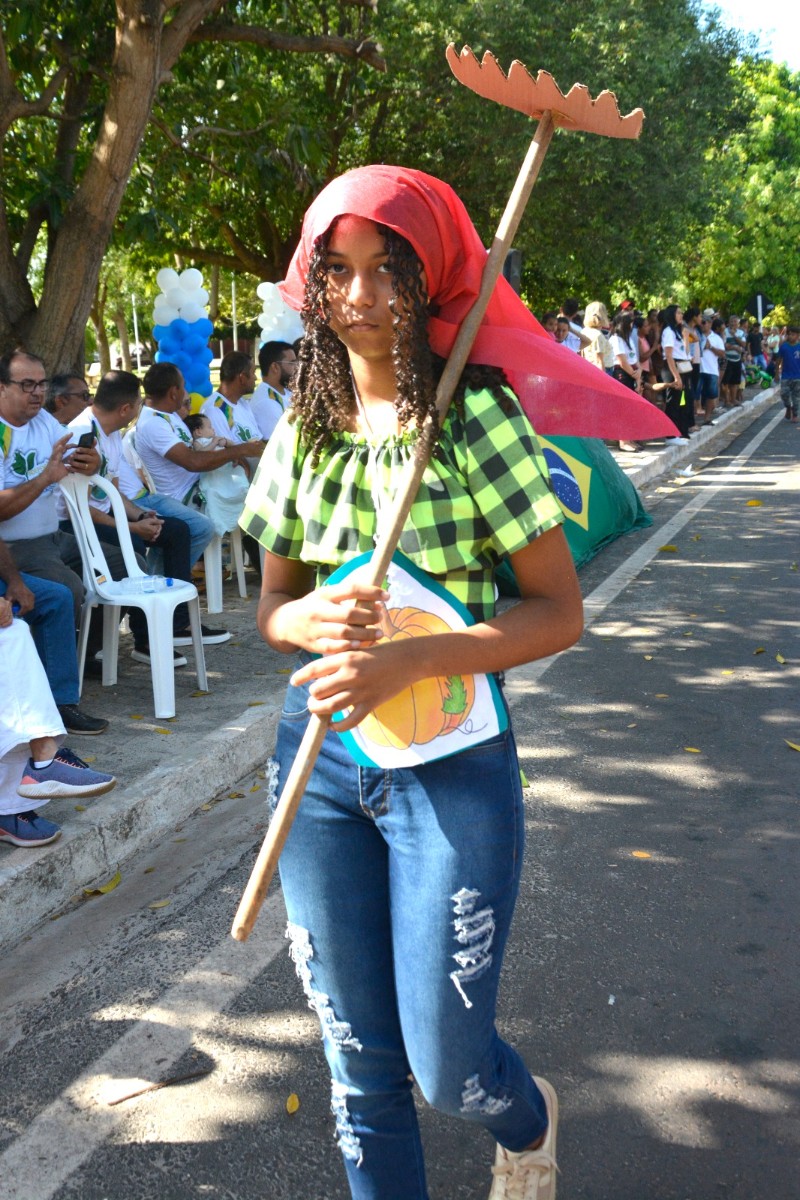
column 429, row 708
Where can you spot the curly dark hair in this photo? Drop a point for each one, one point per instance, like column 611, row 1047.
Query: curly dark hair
column 323, row 389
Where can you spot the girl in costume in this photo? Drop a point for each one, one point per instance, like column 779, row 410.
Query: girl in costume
column 400, row 884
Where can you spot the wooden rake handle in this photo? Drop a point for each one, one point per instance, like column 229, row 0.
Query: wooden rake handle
column 264, row 868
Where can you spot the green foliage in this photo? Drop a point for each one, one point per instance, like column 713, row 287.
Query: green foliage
column 241, row 137
column 750, row 243
column 606, row 215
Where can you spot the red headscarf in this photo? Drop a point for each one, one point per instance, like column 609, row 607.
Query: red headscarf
column 560, row 392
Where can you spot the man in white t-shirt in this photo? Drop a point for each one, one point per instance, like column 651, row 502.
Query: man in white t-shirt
column 35, row 453
column 712, row 353
column 277, row 363
column 164, row 445
column 116, row 405
column 228, row 410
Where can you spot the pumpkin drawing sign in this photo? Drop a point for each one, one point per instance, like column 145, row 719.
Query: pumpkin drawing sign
column 434, row 717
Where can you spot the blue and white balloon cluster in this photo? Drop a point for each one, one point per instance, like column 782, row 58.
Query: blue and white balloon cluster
column 181, row 327
column 278, row 322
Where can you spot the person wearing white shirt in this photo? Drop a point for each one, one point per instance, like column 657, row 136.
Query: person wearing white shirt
column 277, row 363
column 164, row 445
column 625, row 348
column 677, row 371
column 116, row 404
column 35, row 453
column 228, row 409
column 712, row 353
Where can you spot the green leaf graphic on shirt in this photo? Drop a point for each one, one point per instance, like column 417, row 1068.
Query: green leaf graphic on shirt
column 456, row 700
column 184, row 437
column 244, row 434
column 19, row 465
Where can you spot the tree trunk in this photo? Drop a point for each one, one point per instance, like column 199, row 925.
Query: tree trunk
column 213, row 294
column 97, row 315
column 124, row 342
column 56, row 330
column 103, row 348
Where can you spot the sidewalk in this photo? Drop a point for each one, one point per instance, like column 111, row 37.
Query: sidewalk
column 167, row 770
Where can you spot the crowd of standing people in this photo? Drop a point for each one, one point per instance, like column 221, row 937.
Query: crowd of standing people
column 690, row 362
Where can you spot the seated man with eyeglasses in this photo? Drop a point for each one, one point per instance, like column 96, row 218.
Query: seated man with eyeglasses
column 34, row 455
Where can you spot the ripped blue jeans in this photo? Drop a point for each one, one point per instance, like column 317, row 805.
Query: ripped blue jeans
column 400, row 887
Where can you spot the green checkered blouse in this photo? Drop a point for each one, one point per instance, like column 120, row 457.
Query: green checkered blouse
column 485, row 493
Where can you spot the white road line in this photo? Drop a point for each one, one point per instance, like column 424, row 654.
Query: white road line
column 595, row 604
column 69, row 1130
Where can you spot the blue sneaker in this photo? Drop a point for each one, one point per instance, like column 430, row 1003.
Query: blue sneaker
column 28, row 829
column 67, row 775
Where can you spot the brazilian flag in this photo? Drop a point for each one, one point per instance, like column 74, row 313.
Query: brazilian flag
column 598, row 500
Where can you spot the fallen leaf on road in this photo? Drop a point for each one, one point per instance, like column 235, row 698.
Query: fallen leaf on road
column 235, row 795
column 640, row 854
column 669, row 549
column 696, row 537
column 206, row 807
column 80, row 807
column 754, row 503
column 104, row 888
column 292, row 1103
column 662, row 695
column 726, row 672
column 691, row 750
column 284, row 670
column 148, row 870
column 648, row 658
column 792, row 745
column 158, row 729
column 256, row 787
column 195, row 695
column 136, row 717
column 89, row 758
column 523, row 778
column 758, row 650
column 159, row 904
column 632, row 725
column 779, row 658
column 254, row 703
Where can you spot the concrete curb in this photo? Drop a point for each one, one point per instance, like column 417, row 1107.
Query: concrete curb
column 37, row 885
column 95, row 844
column 647, row 466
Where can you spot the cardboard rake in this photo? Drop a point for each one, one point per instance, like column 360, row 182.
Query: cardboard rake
column 542, row 100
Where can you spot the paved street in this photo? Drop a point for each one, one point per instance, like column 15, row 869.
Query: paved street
column 653, row 970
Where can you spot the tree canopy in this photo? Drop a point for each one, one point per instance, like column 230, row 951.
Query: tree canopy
column 200, row 129
column 78, row 93
column 750, row 242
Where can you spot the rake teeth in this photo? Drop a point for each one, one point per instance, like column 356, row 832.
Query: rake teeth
column 519, row 90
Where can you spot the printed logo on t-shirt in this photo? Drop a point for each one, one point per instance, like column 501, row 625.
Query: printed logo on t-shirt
column 243, row 433
column 25, row 465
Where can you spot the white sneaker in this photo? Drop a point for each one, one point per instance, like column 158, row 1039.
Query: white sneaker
column 677, row 441
column 530, row 1174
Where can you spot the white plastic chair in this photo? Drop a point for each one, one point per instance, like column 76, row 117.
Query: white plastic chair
column 158, row 607
column 212, row 560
